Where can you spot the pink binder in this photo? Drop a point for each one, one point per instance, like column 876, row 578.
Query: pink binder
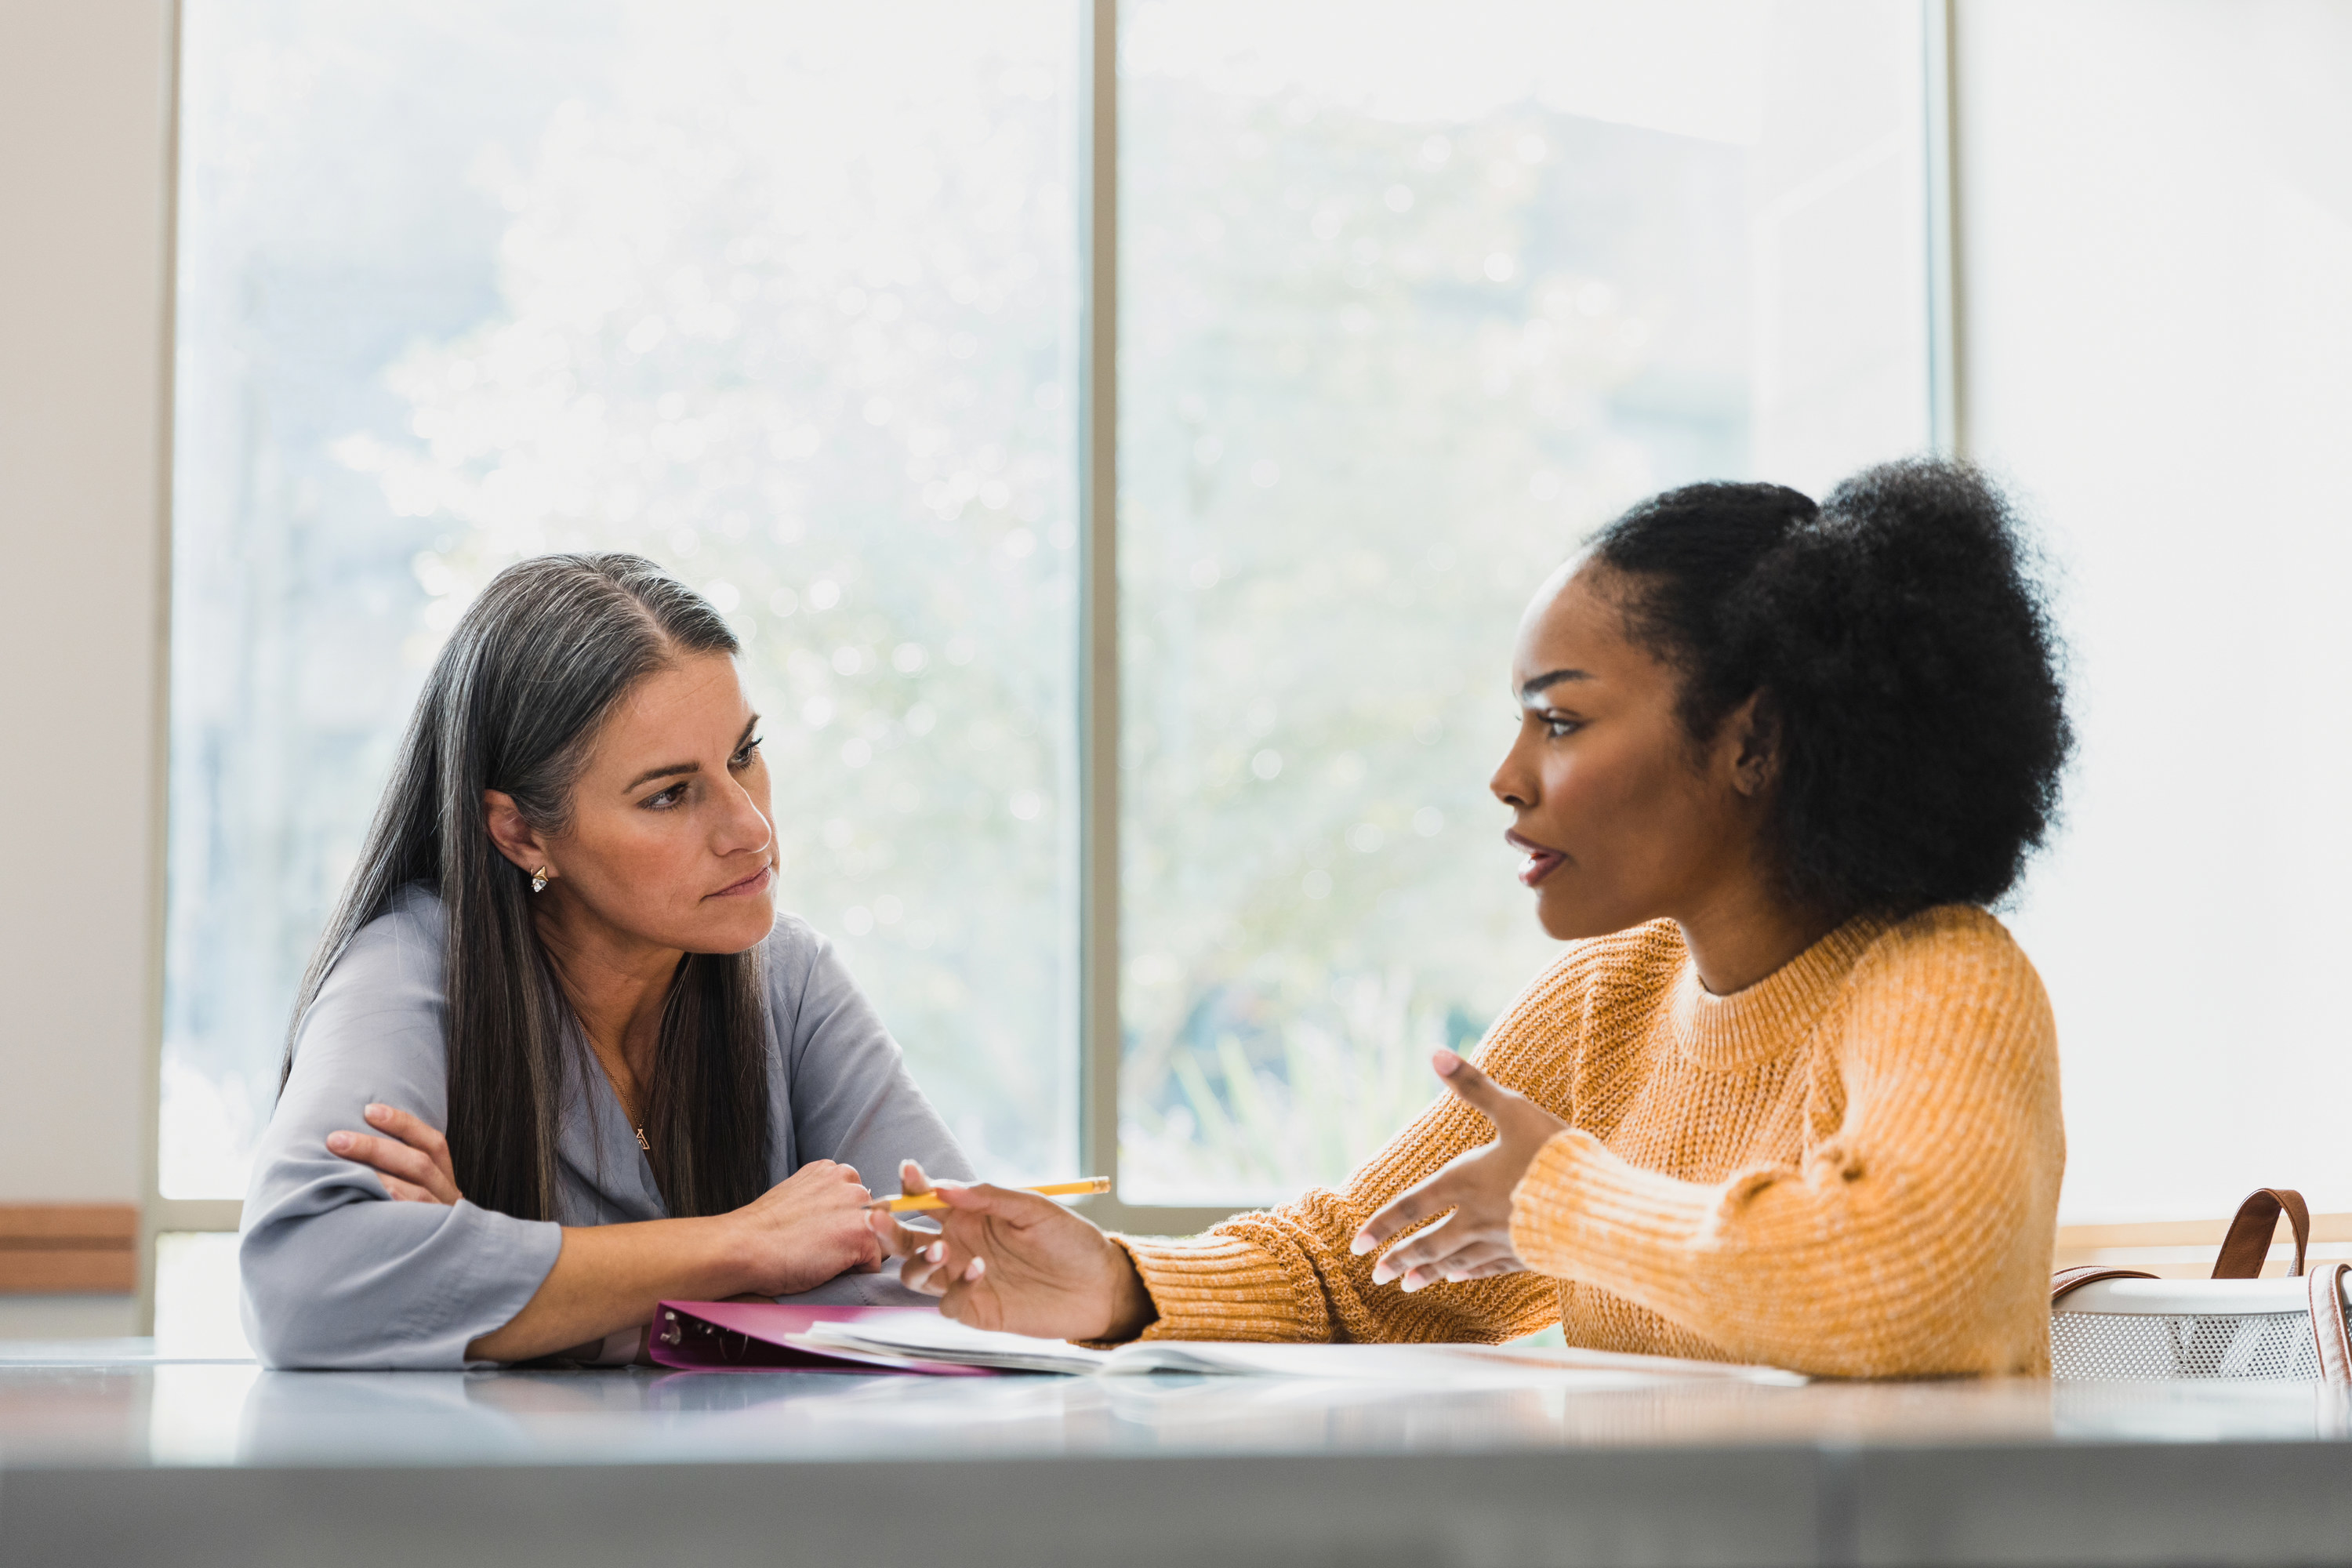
column 750, row 1336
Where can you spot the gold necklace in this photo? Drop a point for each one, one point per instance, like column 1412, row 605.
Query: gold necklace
column 636, row 1125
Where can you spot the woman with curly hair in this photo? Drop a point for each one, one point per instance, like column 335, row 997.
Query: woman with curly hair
column 1792, row 1094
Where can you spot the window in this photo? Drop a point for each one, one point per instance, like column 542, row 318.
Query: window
column 790, row 297
column 1413, row 297
column 782, row 297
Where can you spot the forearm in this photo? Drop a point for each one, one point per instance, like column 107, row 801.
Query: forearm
column 1289, row 1274
column 1836, row 1268
column 1219, row 1287
column 611, row 1277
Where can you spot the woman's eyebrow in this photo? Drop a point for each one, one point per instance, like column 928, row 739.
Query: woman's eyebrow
column 1529, row 692
column 651, row 774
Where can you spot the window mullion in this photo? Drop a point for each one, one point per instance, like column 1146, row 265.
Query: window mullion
column 1098, row 1029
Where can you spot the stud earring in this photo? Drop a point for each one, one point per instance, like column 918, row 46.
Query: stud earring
column 538, row 880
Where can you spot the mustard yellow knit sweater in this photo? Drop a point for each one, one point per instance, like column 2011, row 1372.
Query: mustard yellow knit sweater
column 1850, row 1168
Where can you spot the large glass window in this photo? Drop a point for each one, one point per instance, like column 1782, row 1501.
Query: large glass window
column 1414, row 296
column 787, row 297
column 780, row 295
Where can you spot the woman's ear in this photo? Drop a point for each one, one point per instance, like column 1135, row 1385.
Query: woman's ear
column 511, row 833
column 1753, row 734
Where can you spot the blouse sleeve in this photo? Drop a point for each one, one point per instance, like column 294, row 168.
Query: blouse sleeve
column 336, row 1274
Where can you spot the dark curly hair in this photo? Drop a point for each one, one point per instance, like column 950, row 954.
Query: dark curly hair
column 1902, row 656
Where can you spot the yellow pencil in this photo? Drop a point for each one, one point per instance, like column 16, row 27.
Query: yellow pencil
column 908, row 1201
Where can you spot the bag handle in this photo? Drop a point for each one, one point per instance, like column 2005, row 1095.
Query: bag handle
column 2066, row 1281
column 2329, row 1325
column 2249, row 1241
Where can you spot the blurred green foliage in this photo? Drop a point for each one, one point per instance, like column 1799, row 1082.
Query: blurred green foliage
column 785, row 297
column 1378, row 376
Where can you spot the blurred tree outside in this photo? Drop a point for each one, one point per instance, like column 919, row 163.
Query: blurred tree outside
column 1379, row 374
column 785, row 296
column 798, row 328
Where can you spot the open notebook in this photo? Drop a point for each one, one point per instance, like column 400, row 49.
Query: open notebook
column 755, row 1336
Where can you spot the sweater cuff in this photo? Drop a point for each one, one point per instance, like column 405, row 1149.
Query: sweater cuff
column 1218, row 1288
column 1582, row 1212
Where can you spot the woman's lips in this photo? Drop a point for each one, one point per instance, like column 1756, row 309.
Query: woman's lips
column 757, row 882
column 1540, row 862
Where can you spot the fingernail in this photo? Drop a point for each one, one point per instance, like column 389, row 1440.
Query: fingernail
column 1382, row 1272
column 935, row 1253
column 1361, row 1245
column 339, row 1140
column 979, row 1266
column 1445, row 1062
column 378, row 1113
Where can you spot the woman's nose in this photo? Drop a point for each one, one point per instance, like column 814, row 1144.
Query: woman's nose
column 746, row 826
column 1512, row 783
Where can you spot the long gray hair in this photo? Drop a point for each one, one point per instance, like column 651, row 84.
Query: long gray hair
column 514, row 703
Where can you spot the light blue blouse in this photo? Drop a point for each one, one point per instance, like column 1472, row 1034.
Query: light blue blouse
column 336, row 1274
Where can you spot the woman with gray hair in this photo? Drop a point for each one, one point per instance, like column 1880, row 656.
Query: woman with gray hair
column 556, row 1057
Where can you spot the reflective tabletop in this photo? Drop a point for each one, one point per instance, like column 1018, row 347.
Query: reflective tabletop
column 108, row 1454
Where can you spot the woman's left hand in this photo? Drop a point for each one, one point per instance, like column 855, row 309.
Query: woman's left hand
column 412, row 1161
column 1475, row 1241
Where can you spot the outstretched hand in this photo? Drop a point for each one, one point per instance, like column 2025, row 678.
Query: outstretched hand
column 1017, row 1262
column 1474, row 1242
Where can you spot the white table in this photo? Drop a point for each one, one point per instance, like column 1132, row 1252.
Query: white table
column 110, row 1455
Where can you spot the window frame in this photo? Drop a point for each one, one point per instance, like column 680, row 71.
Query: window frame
column 1096, row 650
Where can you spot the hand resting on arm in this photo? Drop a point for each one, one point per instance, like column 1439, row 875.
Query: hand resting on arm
column 797, row 1234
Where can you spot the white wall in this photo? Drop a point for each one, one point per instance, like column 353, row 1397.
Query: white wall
column 2156, row 211
column 84, row 159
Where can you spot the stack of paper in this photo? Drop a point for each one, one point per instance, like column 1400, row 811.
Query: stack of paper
column 903, row 1338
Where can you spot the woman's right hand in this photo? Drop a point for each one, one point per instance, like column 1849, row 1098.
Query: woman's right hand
column 805, row 1230
column 412, row 1160
column 1018, row 1262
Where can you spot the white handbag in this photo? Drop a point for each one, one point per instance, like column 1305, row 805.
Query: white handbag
column 2127, row 1323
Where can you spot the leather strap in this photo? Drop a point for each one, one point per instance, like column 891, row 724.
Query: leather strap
column 2068, row 1281
column 2329, row 1325
column 2249, row 1241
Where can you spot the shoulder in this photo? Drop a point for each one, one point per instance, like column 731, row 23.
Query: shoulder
column 794, row 953
column 383, row 993
column 1640, row 958
column 806, row 983
column 793, row 940
column 402, row 946
column 1603, row 972
column 1955, row 948
column 1955, row 972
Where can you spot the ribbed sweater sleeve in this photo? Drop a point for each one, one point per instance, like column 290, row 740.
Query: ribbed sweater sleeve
column 1913, row 1239
column 1287, row 1273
